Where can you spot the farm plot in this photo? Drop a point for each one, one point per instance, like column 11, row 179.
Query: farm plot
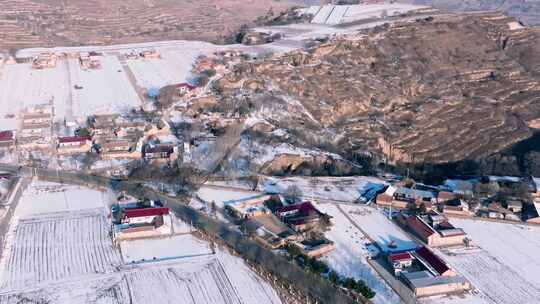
column 193, row 281
column 379, row 228
column 174, row 247
column 505, row 266
column 101, row 91
column 350, row 256
column 46, row 197
column 22, row 86
column 56, row 246
column 341, row 189
column 173, row 67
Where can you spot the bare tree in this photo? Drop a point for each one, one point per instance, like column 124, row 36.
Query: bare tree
column 293, row 194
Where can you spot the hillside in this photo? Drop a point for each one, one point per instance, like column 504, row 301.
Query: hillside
column 434, row 90
column 32, row 23
column 527, row 11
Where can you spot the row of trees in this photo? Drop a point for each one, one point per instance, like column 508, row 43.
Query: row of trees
column 320, row 268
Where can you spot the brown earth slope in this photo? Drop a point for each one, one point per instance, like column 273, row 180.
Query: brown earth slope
column 433, row 90
column 34, row 23
column 527, row 11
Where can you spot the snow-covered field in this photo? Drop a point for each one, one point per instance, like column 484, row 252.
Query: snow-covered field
column 57, row 246
column 22, row 86
column 349, row 258
column 173, row 67
column 174, row 247
column 505, row 267
column 379, row 228
column 345, row 189
column 59, row 250
column 339, row 14
column 44, row 197
column 104, row 90
column 221, row 195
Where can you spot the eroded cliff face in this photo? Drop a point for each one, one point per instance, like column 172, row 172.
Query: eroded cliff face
column 437, row 90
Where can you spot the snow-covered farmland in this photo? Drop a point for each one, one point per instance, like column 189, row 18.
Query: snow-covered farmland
column 174, row 247
column 339, row 14
column 44, row 197
column 219, row 279
column 346, row 189
column 505, row 265
column 220, row 195
column 62, row 252
column 173, row 67
column 379, row 228
column 350, row 257
column 104, row 90
column 56, row 246
column 22, row 86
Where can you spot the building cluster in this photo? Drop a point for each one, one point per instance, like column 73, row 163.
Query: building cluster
column 36, row 131
column 434, row 229
column 90, row 60
column 426, row 273
column 134, row 219
column 494, row 197
column 44, row 61
column 275, row 224
column 146, row 54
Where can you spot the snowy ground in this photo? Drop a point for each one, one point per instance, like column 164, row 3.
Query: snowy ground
column 22, row 86
column 379, row 228
column 221, row 195
column 104, row 90
column 174, row 247
column 52, row 247
column 174, row 66
column 339, row 14
column 345, row 189
column 44, row 197
column 349, row 258
column 59, row 250
column 506, row 263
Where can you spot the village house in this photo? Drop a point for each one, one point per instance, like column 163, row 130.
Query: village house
column 160, row 152
column 399, row 261
column 150, row 54
column 437, row 278
column 301, row 217
column 404, row 198
column 90, row 60
column 141, row 223
column 184, row 88
column 248, row 208
column 314, row 248
column 435, row 230
column 120, row 148
column 44, row 61
column 74, row 144
column 268, row 230
column 7, row 139
column 455, row 207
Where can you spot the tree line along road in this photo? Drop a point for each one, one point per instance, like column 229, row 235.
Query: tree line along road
column 309, row 283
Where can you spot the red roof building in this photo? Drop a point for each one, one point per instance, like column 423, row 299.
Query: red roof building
column 74, row 139
column 6, row 135
column 144, row 212
column 398, row 257
column 433, row 261
column 300, row 216
column 7, row 138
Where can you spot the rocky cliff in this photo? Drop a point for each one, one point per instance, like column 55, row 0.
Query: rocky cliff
column 433, row 90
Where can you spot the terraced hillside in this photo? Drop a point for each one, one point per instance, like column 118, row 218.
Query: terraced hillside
column 436, row 89
column 527, row 11
column 32, row 23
